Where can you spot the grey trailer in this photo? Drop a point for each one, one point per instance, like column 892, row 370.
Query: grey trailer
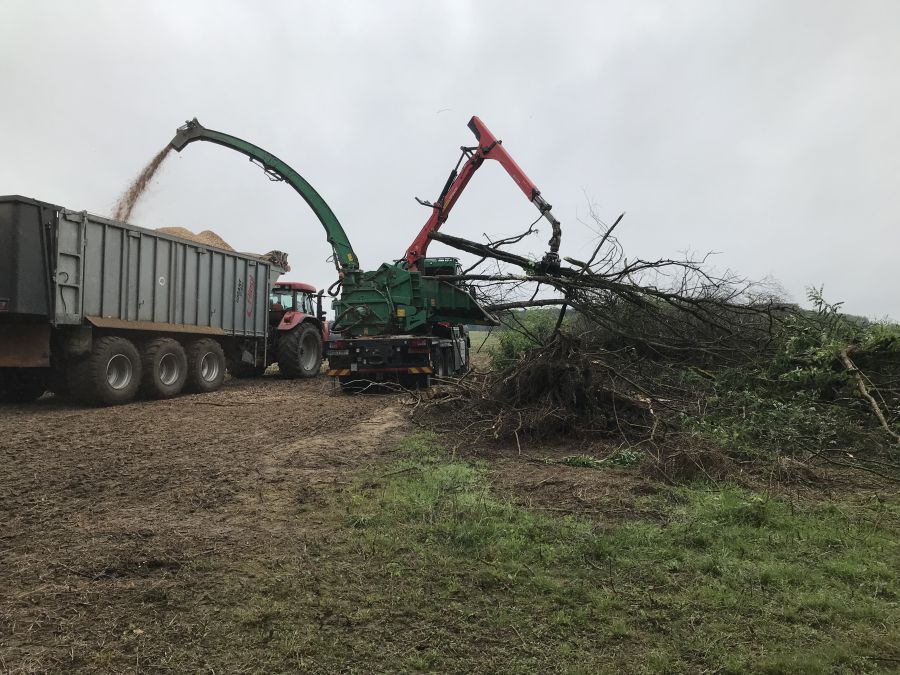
column 107, row 310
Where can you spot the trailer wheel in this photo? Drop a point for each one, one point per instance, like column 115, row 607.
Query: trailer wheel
column 300, row 351
column 206, row 365
column 165, row 368
column 109, row 375
column 21, row 385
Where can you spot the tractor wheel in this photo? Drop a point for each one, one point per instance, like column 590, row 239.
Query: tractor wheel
column 242, row 370
column 206, row 365
column 165, row 368
column 300, row 351
column 21, row 385
column 109, row 375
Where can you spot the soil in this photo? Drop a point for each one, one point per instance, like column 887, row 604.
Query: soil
column 102, row 508
column 126, row 203
column 111, row 516
column 535, row 476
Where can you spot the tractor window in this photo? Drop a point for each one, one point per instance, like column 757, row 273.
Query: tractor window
column 283, row 298
column 307, row 304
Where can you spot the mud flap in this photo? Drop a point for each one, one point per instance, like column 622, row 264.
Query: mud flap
column 25, row 345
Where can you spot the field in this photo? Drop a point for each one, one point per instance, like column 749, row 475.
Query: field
column 280, row 526
column 481, row 344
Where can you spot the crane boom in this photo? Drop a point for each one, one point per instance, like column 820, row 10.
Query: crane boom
column 489, row 147
column 389, row 301
column 344, row 257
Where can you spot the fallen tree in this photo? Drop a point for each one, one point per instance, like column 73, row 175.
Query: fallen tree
column 663, row 305
column 673, row 356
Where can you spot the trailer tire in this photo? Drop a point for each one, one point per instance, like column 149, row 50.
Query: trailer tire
column 299, row 351
column 109, row 375
column 20, row 385
column 165, row 367
column 206, row 365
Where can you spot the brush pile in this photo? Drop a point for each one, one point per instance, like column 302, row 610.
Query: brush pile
column 557, row 389
column 707, row 371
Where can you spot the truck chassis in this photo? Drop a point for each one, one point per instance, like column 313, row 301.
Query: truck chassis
column 409, row 360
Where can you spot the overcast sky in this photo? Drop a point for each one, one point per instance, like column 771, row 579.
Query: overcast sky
column 768, row 131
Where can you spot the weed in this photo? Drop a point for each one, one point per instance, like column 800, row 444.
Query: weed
column 524, row 331
column 622, row 457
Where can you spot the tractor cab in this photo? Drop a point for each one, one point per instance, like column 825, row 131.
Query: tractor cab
column 291, row 296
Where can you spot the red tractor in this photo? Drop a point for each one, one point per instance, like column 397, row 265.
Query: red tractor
column 297, row 332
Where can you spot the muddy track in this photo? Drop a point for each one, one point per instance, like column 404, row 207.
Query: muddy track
column 97, row 502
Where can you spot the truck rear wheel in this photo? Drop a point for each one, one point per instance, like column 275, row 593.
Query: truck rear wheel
column 206, row 365
column 165, row 368
column 21, row 385
column 300, row 351
column 109, row 375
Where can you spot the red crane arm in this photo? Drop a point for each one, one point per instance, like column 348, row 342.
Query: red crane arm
column 489, row 147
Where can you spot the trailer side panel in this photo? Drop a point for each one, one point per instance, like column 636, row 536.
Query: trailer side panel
column 67, row 265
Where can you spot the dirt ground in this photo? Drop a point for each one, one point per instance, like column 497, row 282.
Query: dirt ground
column 154, row 537
column 116, row 521
column 101, row 508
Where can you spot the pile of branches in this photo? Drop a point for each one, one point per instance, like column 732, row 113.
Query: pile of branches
column 632, row 313
column 653, row 347
column 551, row 390
column 667, row 306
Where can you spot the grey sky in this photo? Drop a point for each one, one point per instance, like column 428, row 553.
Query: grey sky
column 768, row 131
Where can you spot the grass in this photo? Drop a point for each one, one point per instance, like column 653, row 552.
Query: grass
column 485, row 341
column 420, row 566
column 482, row 346
column 622, row 457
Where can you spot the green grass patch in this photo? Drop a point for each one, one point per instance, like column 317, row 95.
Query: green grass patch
column 422, row 567
column 484, row 341
column 622, row 457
